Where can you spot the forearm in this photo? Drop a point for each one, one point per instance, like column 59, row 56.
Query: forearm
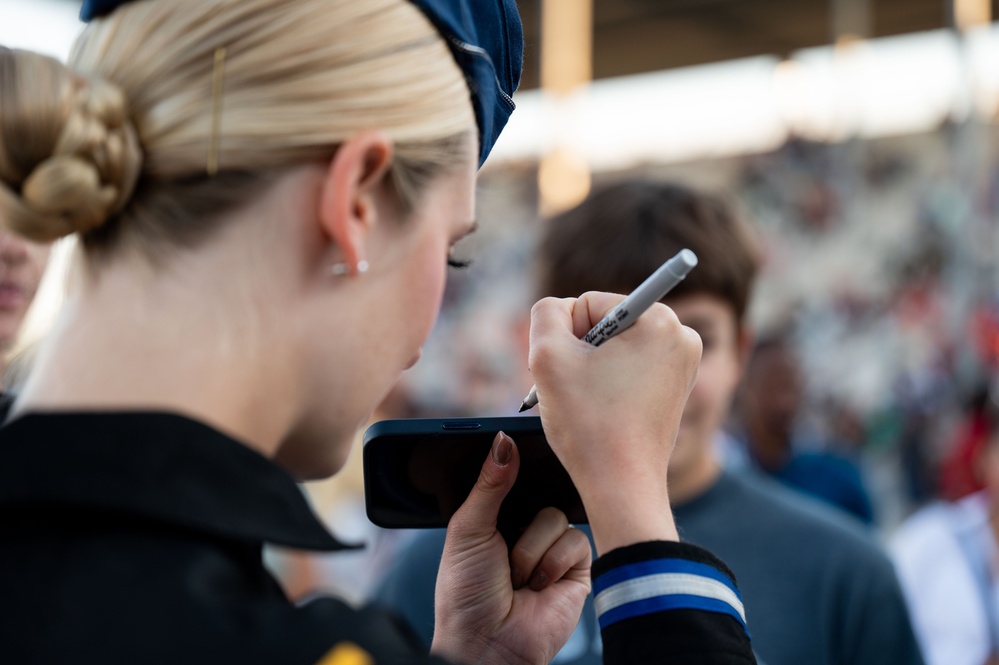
column 619, row 519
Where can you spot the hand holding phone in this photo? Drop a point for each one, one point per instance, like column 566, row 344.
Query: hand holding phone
column 495, row 605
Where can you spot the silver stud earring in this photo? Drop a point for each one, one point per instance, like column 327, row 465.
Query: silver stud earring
column 339, row 269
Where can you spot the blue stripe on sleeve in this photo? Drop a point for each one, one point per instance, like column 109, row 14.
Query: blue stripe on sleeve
column 672, row 602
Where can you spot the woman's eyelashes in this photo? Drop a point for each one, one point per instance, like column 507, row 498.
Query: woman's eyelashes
column 454, row 262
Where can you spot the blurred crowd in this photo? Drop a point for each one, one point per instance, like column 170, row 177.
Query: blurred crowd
column 876, row 326
column 878, row 270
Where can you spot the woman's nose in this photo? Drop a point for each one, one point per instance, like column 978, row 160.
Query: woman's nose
column 13, row 249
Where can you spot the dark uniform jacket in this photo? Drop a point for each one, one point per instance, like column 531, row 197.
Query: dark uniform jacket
column 137, row 538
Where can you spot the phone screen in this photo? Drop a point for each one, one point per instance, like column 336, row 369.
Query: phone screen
column 417, row 472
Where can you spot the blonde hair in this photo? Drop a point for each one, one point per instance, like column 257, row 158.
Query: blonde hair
column 296, row 78
column 65, row 146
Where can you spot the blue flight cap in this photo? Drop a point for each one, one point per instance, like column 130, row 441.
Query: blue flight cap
column 486, row 40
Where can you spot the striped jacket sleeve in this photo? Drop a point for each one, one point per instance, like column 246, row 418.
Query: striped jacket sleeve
column 667, row 602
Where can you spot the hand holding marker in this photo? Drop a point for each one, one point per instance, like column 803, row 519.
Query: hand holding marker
column 649, row 292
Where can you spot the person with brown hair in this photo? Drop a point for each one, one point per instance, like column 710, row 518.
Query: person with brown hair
column 816, row 588
column 266, row 195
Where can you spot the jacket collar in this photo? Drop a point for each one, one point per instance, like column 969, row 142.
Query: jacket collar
column 158, row 466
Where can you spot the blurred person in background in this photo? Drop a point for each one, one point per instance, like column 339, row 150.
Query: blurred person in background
column 816, row 588
column 947, row 559
column 267, row 194
column 768, row 410
column 960, row 473
column 22, row 265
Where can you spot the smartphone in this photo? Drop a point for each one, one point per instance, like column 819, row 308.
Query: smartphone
column 418, row 471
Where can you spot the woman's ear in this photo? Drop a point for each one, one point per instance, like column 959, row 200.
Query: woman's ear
column 348, row 203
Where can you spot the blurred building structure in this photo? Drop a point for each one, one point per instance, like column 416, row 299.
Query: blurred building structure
column 639, row 36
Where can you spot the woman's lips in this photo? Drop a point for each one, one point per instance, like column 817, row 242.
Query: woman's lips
column 11, row 295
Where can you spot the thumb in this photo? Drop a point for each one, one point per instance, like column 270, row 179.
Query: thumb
column 476, row 518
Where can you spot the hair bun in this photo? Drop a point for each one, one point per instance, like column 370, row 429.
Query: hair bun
column 92, row 161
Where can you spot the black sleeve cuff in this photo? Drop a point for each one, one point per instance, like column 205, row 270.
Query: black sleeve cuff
column 669, row 601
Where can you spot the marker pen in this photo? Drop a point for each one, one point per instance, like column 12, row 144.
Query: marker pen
column 649, row 292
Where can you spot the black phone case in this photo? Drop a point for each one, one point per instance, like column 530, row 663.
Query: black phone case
column 418, row 471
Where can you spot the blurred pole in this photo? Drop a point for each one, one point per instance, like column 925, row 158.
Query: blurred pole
column 850, row 24
column 850, row 19
column 566, row 69
column 967, row 14
column 973, row 266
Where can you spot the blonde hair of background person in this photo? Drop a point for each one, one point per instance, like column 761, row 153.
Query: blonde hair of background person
column 266, row 193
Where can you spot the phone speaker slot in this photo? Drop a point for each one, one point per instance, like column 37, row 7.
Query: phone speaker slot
column 460, row 425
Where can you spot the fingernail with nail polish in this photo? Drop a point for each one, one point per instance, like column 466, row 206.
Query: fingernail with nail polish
column 502, row 449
